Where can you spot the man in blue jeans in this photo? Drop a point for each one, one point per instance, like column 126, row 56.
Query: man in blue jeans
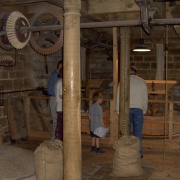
column 138, row 104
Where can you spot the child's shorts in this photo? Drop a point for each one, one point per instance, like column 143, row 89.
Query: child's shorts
column 93, row 135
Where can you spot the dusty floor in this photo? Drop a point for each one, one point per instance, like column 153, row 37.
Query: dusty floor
column 155, row 165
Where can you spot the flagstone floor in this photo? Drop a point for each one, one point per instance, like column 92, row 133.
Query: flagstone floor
column 156, row 165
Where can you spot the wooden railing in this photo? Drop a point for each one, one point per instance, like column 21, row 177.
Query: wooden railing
column 45, row 131
column 170, row 121
column 111, row 119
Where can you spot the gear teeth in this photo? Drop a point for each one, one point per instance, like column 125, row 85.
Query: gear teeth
column 11, row 31
column 58, row 44
column 6, row 60
column 4, row 42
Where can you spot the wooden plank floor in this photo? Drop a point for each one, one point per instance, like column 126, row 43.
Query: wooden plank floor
column 156, row 165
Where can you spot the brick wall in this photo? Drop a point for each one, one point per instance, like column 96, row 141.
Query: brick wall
column 147, row 66
column 146, row 62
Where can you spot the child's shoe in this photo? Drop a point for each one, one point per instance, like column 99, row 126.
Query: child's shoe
column 93, row 149
column 99, row 151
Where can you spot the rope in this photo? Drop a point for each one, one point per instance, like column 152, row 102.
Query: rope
column 124, row 133
column 125, row 80
column 166, row 94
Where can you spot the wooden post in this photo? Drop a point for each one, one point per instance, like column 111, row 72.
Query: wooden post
column 27, row 110
column 88, row 71
column 124, row 81
column 88, row 76
column 72, row 89
column 171, row 111
column 113, row 114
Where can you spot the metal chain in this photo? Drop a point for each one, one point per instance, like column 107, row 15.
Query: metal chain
column 125, row 84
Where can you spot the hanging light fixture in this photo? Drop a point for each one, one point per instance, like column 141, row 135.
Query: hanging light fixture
column 141, row 47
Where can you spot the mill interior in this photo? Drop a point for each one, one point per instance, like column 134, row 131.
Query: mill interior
column 96, row 40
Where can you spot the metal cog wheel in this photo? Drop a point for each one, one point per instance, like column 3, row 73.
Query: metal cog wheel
column 15, row 21
column 4, row 42
column 47, row 42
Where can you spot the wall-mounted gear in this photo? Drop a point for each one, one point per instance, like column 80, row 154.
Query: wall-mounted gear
column 6, row 60
column 16, row 37
column 4, row 42
column 47, row 42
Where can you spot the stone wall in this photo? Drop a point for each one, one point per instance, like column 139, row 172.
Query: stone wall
column 28, row 74
column 101, row 67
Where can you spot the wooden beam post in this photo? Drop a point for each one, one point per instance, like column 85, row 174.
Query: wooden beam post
column 27, row 111
column 72, row 89
column 88, row 71
column 124, row 81
column 113, row 114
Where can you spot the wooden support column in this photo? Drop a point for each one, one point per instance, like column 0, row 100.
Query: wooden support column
column 88, row 71
column 113, row 113
column 124, row 81
column 72, row 89
column 88, row 76
column 27, row 110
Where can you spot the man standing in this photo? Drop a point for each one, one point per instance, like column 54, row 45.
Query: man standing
column 50, row 89
column 138, row 104
column 59, row 97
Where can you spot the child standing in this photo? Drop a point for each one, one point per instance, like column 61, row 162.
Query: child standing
column 96, row 121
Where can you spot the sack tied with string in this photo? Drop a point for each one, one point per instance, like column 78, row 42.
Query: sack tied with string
column 126, row 160
column 49, row 160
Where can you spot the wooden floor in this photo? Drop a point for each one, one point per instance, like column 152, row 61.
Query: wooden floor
column 156, row 165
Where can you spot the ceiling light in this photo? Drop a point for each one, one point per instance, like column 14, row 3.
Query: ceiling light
column 141, row 47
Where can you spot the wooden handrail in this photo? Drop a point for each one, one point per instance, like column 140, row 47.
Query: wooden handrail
column 90, row 99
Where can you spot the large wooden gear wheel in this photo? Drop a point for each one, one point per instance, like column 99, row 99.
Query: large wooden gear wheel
column 15, row 21
column 4, row 42
column 47, row 42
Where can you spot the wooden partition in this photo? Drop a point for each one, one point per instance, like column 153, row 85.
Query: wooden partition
column 39, row 118
column 39, row 126
column 37, row 123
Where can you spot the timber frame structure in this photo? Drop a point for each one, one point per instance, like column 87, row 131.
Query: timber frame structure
column 72, row 83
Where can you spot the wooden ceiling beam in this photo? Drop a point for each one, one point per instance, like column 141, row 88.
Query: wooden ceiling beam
column 59, row 3
column 109, row 6
column 160, row 7
column 121, row 6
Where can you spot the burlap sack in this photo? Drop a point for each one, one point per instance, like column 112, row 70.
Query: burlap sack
column 126, row 160
column 49, row 160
